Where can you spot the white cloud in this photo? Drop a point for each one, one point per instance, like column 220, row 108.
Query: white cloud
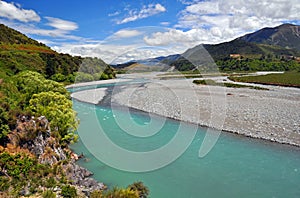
column 145, row 12
column 15, row 12
column 61, row 24
column 215, row 21
column 252, row 15
column 32, row 29
column 187, row 2
column 106, row 52
column 126, row 33
column 114, row 14
column 114, row 54
column 165, row 23
column 185, row 39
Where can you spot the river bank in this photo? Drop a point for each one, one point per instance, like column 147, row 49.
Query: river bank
column 272, row 115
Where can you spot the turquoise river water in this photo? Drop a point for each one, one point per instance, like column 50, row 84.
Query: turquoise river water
column 236, row 167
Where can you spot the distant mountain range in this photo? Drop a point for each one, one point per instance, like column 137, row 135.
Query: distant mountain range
column 283, row 40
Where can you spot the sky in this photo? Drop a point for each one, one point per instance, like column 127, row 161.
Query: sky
column 119, row 31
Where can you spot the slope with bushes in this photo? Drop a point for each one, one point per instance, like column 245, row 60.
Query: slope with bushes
column 19, row 53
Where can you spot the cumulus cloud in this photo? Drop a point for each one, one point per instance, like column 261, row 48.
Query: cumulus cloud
column 251, row 14
column 115, row 54
column 126, row 33
column 21, row 19
column 61, row 24
column 185, row 39
column 146, row 11
column 107, row 52
column 216, row 21
column 15, row 12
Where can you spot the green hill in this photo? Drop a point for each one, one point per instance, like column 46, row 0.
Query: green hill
column 11, row 36
column 19, row 53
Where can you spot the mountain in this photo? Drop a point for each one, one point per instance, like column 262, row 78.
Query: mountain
column 160, row 63
column 19, row 52
column 275, row 48
column 277, row 41
column 286, row 36
column 267, row 49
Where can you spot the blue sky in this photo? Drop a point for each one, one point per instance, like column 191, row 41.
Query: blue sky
column 123, row 30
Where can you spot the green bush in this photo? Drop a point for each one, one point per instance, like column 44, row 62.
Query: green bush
column 50, row 183
column 68, row 191
column 58, row 110
column 70, row 78
column 58, row 77
column 4, row 184
column 104, row 76
column 96, row 194
column 48, row 194
column 83, row 77
column 142, row 190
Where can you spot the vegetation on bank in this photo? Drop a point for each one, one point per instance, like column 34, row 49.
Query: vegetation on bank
column 291, row 79
column 225, row 84
column 135, row 190
column 32, row 79
column 29, row 94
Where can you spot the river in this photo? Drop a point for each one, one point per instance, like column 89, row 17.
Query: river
column 237, row 166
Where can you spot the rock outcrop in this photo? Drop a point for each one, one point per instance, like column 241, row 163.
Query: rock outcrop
column 35, row 135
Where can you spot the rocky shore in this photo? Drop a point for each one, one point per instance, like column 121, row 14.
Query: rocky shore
column 272, row 115
column 47, row 150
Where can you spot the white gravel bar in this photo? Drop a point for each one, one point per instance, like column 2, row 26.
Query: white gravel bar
column 272, row 115
column 93, row 96
column 99, row 82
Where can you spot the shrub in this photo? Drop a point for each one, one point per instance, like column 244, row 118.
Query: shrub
column 83, row 77
column 58, row 77
column 68, row 191
column 96, row 194
column 4, row 184
column 142, row 190
column 48, row 194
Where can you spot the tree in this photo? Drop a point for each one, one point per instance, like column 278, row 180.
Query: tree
column 58, row 77
column 58, row 110
column 140, row 188
column 29, row 83
column 83, row 77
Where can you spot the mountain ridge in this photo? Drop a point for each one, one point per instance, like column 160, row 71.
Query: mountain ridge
column 285, row 35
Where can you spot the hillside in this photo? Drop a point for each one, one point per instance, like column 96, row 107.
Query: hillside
column 19, row 53
column 11, row 36
column 267, row 49
column 286, row 36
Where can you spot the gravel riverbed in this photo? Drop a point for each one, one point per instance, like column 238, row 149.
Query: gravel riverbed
column 272, row 115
